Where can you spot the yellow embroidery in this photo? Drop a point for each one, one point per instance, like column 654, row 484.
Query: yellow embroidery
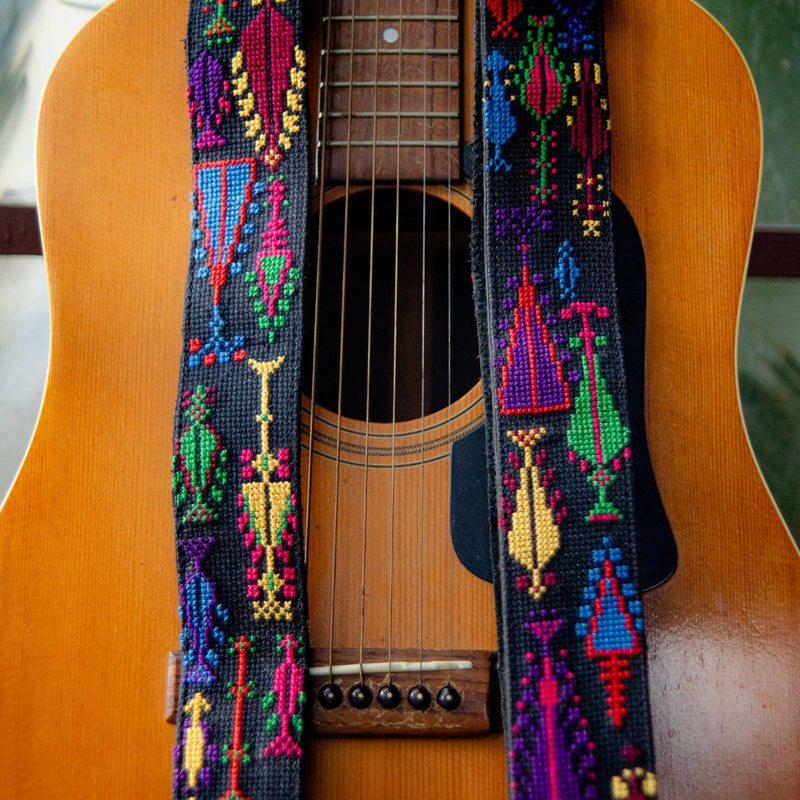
column 267, row 501
column 644, row 781
column 534, row 538
column 254, row 122
column 194, row 740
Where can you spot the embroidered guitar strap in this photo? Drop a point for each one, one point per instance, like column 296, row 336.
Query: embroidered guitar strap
column 572, row 656
column 236, row 459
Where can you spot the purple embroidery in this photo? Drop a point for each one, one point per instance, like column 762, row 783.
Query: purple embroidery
column 532, row 378
column 200, row 614
column 208, row 101
column 551, row 755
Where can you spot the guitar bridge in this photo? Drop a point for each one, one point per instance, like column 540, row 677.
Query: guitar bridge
column 418, row 693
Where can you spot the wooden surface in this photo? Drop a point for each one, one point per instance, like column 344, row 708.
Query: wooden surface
column 87, row 589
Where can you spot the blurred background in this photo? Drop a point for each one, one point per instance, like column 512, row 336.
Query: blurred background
column 34, row 32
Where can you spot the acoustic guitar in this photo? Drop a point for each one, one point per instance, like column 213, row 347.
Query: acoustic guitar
column 88, row 593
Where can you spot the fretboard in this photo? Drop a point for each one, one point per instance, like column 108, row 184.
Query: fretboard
column 390, row 90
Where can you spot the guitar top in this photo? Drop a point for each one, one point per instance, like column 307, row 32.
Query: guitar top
column 89, row 594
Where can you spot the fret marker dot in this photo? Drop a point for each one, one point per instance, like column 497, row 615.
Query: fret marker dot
column 391, row 35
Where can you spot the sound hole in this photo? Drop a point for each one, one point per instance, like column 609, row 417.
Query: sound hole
column 430, row 344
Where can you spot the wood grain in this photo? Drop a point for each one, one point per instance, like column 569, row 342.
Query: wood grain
column 88, row 593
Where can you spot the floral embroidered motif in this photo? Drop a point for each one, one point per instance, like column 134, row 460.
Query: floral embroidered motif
column 532, row 378
column 220, row 30
column 573, row 35
column 567, row 271
column 498, row 121
column 505, row 12
column 273, row 280
column 208, row 101
column 589, row 127
column 598, row 439
column 634, row 782
column 237, row 754
column 543, row 82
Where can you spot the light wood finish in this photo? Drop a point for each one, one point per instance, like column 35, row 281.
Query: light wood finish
column 88, row 597
column 724, row 633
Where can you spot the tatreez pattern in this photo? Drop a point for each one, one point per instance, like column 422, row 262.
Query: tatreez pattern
column 555, row 759
column 611, row 622
column 201, row 615
column 269, row 516
column 224, row 197
column 572, row 639
column 194, row 753
column 597, row 436
column 534, row 535
column 199, row 464
column 240, row 714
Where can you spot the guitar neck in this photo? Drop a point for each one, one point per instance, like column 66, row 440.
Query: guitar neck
column 390, row 105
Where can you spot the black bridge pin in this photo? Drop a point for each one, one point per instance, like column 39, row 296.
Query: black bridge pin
column 360, row 696
column 330, row 695
column 448, row 698
column 389, row 696
column 419, row 698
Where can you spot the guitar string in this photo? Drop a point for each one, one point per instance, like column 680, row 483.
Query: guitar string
column 423, row 332
column 364, row 512
column 451, row 137
column 342, row 309
column 390, row 627
column 322, row 138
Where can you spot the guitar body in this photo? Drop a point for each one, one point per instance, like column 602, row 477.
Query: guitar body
column 89, row 595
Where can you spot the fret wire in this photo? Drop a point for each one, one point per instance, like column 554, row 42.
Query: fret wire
column 393, row 143
column 398, row 84
column 408, row 51
column 390, row 17
column 393, row 114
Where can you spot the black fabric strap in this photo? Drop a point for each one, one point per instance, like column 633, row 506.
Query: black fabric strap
column 572, row 653
column 236, row 462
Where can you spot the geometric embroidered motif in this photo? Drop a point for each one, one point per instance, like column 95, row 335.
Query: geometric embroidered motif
column 268, row 517
column 612, row 625
column 532, row 378
column 201, row 617
column 224, row 199
column 551, row 756
column 598, row 439
column 533, row 534
column 284, row 702
column 194, row 751
column 198, row 465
